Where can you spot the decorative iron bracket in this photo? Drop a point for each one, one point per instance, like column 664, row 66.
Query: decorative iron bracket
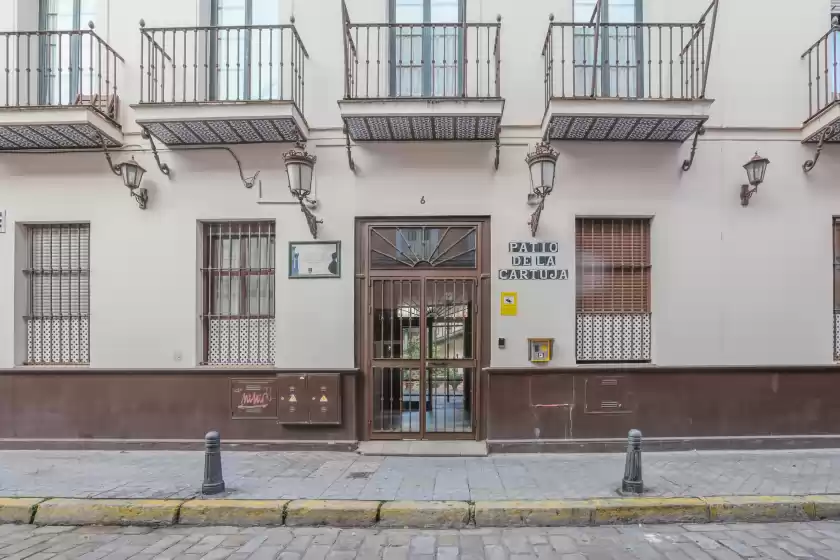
column 350, row 161
column 688, row 163
column 811, row 163
column 534, row 222
column 746, row 194
column 114, row 168
column 311, row 220
column 164, row 168
column 498, row 147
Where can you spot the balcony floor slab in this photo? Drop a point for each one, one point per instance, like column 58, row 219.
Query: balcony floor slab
column 620, row 120
column 179, row 124
column 56, row 128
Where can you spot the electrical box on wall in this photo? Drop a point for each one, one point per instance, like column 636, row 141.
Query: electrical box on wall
column 309, row 399
column 539, row 350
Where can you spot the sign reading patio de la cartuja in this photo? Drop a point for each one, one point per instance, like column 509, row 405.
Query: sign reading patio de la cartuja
column 533, row 261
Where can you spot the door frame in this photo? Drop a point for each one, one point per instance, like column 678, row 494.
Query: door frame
column 363, row 281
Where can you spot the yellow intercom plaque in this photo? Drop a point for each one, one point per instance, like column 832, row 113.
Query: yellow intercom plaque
column 539, row 350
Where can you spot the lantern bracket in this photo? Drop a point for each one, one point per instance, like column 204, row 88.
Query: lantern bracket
column 811, row 163
column 350, row 161
column 534, row 222
column 164, row 168
column 746, row 194
column 311, row 220
column 690, row 161
column 115, row 169
column 498, row 147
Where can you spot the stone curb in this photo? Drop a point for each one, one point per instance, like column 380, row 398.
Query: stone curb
column 107, row 512
column 418, row 514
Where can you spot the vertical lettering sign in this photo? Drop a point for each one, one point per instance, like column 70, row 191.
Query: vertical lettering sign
column 533, row 261
column 252, row 399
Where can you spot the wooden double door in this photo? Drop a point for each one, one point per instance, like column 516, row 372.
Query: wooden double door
column 422, row 329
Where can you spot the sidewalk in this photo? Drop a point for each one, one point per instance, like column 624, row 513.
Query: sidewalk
column 347, row 476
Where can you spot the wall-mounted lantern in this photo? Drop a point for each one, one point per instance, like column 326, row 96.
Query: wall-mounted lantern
column 300, row 166
column 755, row 168
column 132, row 175
column 542, row 165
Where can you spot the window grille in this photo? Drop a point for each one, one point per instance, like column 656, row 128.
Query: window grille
column 238, row 276
column 837, row 289
column 613, row 290
column 58, row 306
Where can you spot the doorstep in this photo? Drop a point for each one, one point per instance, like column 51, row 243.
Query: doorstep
column 423, row 448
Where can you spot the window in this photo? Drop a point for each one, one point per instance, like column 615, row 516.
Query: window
column 620, row 51
column 428, row 61
column 613, row 289
column 837, row 289
column 67, row 59
column 58, row 294
column 238, row 293
column 247, row 61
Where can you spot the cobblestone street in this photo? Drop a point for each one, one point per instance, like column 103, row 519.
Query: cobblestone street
column 348, row 476
column 690, row 542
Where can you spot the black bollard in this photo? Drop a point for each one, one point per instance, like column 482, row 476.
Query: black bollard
column 632, row 482
column 213, row 481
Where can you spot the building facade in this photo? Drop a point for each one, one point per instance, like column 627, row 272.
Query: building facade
column 425, row 286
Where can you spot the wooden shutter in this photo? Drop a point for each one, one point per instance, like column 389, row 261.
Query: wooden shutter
column 60, row 265
column 613, row 265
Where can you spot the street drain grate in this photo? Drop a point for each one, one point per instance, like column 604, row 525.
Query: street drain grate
column 359, row 475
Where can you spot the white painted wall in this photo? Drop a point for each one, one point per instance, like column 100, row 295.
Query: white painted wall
column 731, row 285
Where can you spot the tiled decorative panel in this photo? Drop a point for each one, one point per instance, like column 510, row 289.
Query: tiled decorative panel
column 58, row 340
column 831, row 130
column 622, row 128
column 51, row 137
column 395, row 128
column 836, row 336
column 241, row 342
column 225, row 131
column 613, row 337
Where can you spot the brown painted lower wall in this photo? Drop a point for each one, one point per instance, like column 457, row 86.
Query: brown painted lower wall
column 663, row 403
column 148, row 405
column 533, row 406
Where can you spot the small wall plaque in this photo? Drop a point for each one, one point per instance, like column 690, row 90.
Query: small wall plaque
column 315, row 259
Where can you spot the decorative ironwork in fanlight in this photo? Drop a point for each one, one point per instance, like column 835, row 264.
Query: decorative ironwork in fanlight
column 423, row 246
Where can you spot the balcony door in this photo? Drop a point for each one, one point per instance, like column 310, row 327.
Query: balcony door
column 619, row 65
column 246, row 55
column 427, row 48
column 67, row 58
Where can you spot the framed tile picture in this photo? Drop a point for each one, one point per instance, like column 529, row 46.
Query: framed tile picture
column 315, row 259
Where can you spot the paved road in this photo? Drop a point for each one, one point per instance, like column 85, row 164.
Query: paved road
column 707, row 542
column 296, row 475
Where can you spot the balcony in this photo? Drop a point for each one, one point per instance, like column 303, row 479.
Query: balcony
column 627, row 82
column 823, row 122
column 222, row 85
column 421, row 81
column 58, row 90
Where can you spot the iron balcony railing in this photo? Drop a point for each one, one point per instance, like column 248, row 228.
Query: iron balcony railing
column 422, row 60
column 59, row 69
column 628, row 60
column 823, row 76
column 262, row 63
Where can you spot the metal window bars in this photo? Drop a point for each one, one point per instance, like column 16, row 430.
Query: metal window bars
column 264, row 63
column 238, row 299
column 58, row 294
column 421, row 60
column 59, row 68
column 628, row 60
